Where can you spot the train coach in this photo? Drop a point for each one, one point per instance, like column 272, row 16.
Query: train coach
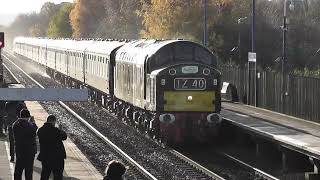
column 168, row 88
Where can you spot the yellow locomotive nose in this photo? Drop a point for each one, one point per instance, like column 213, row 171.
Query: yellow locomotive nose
column 194, row 101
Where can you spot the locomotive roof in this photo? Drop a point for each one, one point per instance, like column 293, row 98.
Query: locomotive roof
column 69, row 45
column 104, row 47
column 160, row 53
column 154, row 54
column 99, row 47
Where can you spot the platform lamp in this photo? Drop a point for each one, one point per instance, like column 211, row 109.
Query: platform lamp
column 253, row 49
column 284, row 49
column 240, row 21
column 205, row 23
column 1, row 67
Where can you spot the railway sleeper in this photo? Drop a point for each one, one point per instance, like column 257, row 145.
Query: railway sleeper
column 142, row 120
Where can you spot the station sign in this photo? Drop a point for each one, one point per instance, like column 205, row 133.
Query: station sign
column 252, row 57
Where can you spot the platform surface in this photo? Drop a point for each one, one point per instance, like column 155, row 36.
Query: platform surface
column 77, row 166
column 291, row 132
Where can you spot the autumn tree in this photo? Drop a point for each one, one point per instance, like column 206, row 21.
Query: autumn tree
column 122, row 20
column 22, row 24
column 48, row 10
column 59, row 25
column 179, row 18
column 86, row 17
column 35, row 24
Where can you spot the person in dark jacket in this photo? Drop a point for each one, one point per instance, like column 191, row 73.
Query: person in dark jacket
column 2, row 123
column 12, row 110
column 24, row 132
column 10, row 118
column 114, row 171
column 52, row 152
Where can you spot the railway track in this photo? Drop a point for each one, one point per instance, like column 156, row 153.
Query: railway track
column 259, row 174
column 196, row 165
column 145, row 171
column 135, row 168
column 229, row 164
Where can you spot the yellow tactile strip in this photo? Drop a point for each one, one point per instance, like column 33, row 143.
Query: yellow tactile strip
column 76, row 164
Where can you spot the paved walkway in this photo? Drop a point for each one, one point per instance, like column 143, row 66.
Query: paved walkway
column 77, row 166
column 277, row 118
column 297, row 134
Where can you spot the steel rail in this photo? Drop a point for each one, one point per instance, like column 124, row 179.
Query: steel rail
column 11, row 73
column 197, row 165
column 257, row 171
column 96, row 132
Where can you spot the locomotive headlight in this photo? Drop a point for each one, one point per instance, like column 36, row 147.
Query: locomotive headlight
column 206, row 71
column 172, row 72
column 189, row 98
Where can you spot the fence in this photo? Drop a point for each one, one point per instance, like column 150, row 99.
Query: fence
column 300, row 97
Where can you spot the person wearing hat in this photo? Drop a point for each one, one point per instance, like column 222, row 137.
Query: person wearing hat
column 24, row 133
column 52, row 152
column 114, row 171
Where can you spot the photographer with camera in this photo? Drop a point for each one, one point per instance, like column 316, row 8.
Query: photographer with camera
column 52, row 152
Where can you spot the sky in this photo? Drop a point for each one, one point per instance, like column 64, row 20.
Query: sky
column 9, row 9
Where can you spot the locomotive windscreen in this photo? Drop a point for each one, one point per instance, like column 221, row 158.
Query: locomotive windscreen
column 181, row 52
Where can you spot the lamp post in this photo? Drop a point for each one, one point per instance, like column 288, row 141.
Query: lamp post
column 284, row 50
column 205, row 23
column 253, row 47
column 240, row 21
column 253, row 31
column 284, row 36
column 284, row 54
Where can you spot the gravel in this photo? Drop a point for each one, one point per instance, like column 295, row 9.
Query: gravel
column 153, row 157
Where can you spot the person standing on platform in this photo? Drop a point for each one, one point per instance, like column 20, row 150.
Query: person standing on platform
column 52, row 151
column 114, row 171
column 24, row 131
column 10, row 118
column 12, row 110
column 2, row 123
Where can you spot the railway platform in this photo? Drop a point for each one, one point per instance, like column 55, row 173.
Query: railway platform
column 77, row 166
column 292, row 133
